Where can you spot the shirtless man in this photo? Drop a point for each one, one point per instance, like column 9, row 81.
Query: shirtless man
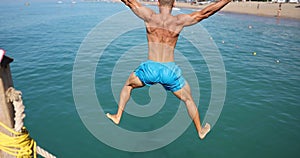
column 162, row 32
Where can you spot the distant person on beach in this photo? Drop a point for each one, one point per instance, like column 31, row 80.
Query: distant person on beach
column 279, row 10
column 163, row 30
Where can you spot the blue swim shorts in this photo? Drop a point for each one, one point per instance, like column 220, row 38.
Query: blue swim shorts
column 168, row 74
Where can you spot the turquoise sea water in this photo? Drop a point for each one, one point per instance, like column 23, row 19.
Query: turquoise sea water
column 260, row 117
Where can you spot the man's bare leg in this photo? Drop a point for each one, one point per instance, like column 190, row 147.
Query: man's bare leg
column 184, row 94
column 132, row 82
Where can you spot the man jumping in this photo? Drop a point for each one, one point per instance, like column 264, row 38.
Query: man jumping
column 162, row 32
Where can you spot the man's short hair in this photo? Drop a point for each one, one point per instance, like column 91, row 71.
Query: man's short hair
column 168, row 3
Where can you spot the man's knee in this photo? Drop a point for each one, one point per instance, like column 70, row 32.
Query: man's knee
column 185, row 97
column 188, row 99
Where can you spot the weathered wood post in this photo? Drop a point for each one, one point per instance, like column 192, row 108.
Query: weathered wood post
column 6, row 109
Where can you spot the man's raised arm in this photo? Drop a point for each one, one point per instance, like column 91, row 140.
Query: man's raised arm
column 195, row 17
column 139, row 10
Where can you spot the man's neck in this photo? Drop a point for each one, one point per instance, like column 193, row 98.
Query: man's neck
column 165, row 10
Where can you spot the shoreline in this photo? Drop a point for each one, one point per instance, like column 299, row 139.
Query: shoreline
column 288, row 10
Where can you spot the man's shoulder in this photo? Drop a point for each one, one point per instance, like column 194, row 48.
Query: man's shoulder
column 179, row 16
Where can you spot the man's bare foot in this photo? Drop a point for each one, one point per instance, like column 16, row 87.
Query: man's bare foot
column 114, row 118
column 204, row 131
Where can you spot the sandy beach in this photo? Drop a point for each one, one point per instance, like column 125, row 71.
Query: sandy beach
column 288, row 10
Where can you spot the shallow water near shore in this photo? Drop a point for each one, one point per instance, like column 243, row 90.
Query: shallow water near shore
column 260, row 117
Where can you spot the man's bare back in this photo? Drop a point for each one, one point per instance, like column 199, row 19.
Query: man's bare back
column 163, row 30
column 162, row 34
column 162, row 37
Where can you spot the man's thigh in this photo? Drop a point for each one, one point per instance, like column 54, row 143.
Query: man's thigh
column 134, row 81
